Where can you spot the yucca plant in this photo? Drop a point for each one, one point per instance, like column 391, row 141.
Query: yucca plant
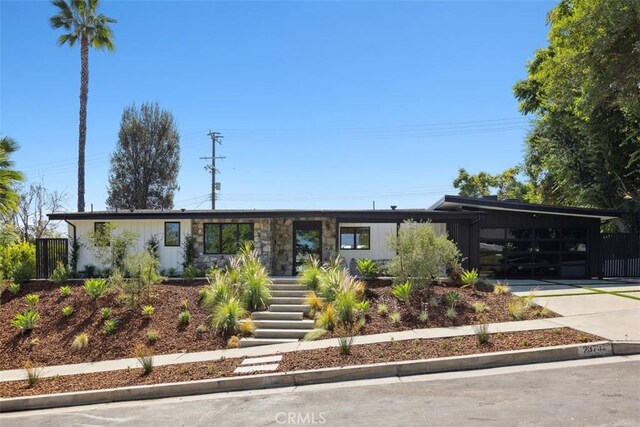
column 327, row 319
column 367, row 268
column 26, row 320
column 310, row 273
column 227, row 315
column 402, row 291
column 314, row 302
column 95, row 288
column 469, row 278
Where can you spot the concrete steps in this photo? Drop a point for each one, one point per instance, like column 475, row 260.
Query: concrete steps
column 284, row 322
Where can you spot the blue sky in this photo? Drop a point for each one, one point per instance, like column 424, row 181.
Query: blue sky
column 321, row 104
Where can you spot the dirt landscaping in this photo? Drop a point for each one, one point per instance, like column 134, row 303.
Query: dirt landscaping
column 303, row 360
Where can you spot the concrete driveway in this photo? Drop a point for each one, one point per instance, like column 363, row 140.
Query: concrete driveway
column 609, row 308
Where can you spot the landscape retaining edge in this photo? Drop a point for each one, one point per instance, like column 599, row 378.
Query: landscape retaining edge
column 325, row 375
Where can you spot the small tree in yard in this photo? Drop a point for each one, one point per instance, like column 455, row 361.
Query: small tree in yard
column 108, row 247
column 421, row 254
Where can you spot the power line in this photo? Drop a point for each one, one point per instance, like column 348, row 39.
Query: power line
column 215, row 138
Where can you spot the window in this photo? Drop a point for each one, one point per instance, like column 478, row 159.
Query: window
column 226, row 238
column 100, row 230
column 355, row 238
column 172, row 234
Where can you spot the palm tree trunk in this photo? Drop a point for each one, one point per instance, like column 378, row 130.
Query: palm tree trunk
column 82, row 131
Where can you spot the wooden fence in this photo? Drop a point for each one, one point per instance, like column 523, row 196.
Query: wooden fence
column 620, row 254
column 50, row 252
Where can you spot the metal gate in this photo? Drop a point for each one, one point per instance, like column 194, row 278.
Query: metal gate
column 620, row 254
column 50, row 252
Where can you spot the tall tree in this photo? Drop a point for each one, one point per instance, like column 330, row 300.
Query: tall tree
column 8, row 178
column 81, row 20
column 584, row 148
column 145, row 165
column 506, row 185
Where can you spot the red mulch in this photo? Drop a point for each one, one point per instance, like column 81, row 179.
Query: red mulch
column 54, row 332
column 430, row 348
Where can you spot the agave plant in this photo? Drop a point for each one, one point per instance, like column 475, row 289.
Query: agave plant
column 469, row 278
column 402, row 291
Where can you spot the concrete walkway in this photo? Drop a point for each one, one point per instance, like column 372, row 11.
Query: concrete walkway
column 596, row 307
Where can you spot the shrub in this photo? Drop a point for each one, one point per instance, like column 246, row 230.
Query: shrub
column 469, row 278
column 255, row 282
column 479, row 307
column 26, row 320
column 402, row 291
column 18, row 261
column 184, row 317
column 423, row 316
column 314, row 302
column 109, row 247
column 482, row 333
column 110, row 326
column 227, row 315
column 32, row 300
column 89, row 271
column 67, row 311
column 189, row 273
column 455, row 274
column 246, row 327
column 105, row 312
column 152, row 336
column 516, row 308
column 501, row 288
column 32, row 372
column 345, row 344
column 14, row 288
column 367, row 268
column 395, row 317
column 65, row 291
column 383, row 309
column 80, row 341
column 144, row 355
column 421, row 255
column 452, row 313
column 60, row 274
column 310, row 273
column 233, row 342
column 452, row 298
column 314, row 334
column 148, row 310
column 189, row 253
column 95, row 288
column 327, row 319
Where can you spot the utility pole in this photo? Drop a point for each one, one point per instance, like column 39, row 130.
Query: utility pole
column 215, row 138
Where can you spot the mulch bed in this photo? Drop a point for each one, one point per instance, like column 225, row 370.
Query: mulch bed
column 430, row 348
column 379, row 291
column 302, row 360
column 50, row 342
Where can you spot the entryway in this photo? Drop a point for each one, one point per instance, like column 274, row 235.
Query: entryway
column 307, row 241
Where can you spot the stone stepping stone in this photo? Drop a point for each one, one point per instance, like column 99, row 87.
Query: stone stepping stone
column 262, row 360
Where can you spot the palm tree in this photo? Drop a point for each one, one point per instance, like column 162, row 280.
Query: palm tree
column 81, row 20
column 8, row 178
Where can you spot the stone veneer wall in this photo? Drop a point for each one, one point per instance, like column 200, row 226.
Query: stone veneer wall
column 282, row 231
column 261, row 234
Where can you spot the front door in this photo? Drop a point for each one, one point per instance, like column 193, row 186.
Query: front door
column 307, row 241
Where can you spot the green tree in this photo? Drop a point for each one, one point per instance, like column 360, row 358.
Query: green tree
column 506, row 185
column 81, row 21
column 145, row 165
column 584, row 148
column 8, row 178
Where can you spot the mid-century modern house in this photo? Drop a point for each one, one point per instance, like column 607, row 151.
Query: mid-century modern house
column 502, row 238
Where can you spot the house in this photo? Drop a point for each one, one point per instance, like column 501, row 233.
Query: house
column 502, row 238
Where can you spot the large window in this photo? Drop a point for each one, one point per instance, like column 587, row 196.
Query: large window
column 539, row 252
column 226, row 238
column 172, row 234
column 355, row 238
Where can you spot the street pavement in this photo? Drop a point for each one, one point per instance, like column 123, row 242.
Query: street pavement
column 581, row 393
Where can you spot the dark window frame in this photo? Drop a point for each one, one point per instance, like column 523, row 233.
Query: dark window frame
column 219, row 225
column 165, row 233
column 355, row 239
column 95, row 231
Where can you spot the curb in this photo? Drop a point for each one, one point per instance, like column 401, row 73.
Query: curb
column 325, row 375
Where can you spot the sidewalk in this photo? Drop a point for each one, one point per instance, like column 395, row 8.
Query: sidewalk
column 605, row 326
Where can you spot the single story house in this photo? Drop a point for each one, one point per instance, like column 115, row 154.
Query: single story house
column 501, row 238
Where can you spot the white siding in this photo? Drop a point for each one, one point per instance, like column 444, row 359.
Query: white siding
column 170, row 256
column 379, row 237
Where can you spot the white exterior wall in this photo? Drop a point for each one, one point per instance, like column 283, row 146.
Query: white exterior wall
column 170, row 256
column 379, row 237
